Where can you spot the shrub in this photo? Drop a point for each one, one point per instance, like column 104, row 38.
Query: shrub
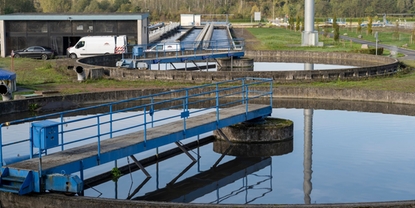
column 369, row 51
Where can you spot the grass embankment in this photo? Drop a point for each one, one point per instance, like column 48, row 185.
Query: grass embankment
column 42, row 75
column 282, row 39
column 38, row 75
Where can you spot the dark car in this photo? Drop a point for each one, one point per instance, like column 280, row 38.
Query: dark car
column 40, row 52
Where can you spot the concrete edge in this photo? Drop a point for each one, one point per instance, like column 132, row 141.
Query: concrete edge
column 64, row 102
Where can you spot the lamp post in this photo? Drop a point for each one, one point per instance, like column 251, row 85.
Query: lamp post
column 376, row 36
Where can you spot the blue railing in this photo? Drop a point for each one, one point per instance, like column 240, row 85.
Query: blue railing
column 163, row 49
column 110, row 119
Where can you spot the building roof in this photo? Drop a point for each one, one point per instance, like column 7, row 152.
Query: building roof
column 74, row 17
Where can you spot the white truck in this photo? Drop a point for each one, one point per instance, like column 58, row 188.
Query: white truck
column 98, row 45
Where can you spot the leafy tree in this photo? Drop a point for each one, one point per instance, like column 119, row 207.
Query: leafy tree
column 254, row 9
column 359, row 25
column 117, row 3
column 240, row 8
column 303, row 25
column 291, row 22
column 369, row 25
column 93, row 7
column 105, row 5
column 124, row 8
column 396, row 30
column 80, row 5
column 336, row 36
column 55, row 6
column 297, row 23
column 17, row 6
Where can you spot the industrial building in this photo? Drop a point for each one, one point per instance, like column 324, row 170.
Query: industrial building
column 60, row 31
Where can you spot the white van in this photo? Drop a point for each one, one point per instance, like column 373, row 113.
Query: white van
column 98, row 45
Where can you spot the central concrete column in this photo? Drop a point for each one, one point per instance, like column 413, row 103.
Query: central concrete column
column 308, row 67
column 309, row 36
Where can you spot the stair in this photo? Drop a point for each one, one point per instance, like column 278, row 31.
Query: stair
column 17, row 181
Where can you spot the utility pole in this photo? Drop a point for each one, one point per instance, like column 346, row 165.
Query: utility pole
column 309, row 36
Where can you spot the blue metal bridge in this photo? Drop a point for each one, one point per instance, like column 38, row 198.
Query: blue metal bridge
column 142, row 56
column 67, row 147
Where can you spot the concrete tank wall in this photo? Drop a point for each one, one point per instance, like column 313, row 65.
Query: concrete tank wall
column 71, row 101
column 372, row 66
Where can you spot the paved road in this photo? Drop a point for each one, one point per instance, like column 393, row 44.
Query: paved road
column 410, row 54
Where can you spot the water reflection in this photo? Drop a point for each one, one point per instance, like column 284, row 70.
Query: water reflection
column 261, row 149
column 308, row 152
column 353, row 152
column 213, row 180
column 308, row 147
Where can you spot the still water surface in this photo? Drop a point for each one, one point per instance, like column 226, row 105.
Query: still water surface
column 346, row 156
column 354, row 157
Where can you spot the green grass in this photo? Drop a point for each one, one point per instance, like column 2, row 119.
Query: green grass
column 276, row 38
column 32, row 72
column 397, row 83
column 389, row 36
column 282, row 39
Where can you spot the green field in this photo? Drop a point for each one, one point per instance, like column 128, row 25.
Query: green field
column 275, row 38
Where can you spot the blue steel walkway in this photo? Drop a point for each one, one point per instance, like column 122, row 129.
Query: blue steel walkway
column 156, row 122
column 181, row 52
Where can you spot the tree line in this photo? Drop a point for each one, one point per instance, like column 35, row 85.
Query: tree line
column 163, row 10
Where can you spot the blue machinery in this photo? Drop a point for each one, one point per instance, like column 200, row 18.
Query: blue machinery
column 142, row 56
column 66, row 147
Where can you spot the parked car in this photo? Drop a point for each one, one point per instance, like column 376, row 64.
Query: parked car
column 40, row 52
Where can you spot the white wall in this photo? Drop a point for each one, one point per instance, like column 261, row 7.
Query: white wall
column 198, row 20
column 187, row 19
column 142, row 31
column 2, row 39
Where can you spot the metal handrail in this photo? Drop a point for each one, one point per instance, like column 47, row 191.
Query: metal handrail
column 226, row 93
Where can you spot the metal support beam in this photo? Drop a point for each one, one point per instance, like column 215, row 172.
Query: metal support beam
column 222, row 156
column 223, row 135
column 138, row 188
column 217, row 62
column 181, row 173
column 231, row 63
column 197, row 65
column 185, row 151
column 173, row 66
column 140, row 166
column 207, row 64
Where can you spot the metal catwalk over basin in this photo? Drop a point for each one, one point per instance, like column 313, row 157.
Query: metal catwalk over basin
column 67, row 147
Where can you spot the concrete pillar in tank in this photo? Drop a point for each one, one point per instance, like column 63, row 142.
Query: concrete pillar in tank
column 309, row 35
column 308, row 66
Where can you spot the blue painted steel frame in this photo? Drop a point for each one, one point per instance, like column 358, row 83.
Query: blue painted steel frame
column 234, row 48
column 239, row 88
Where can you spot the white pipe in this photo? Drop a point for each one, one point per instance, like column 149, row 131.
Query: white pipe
column 80, row 72
column 6, row 93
